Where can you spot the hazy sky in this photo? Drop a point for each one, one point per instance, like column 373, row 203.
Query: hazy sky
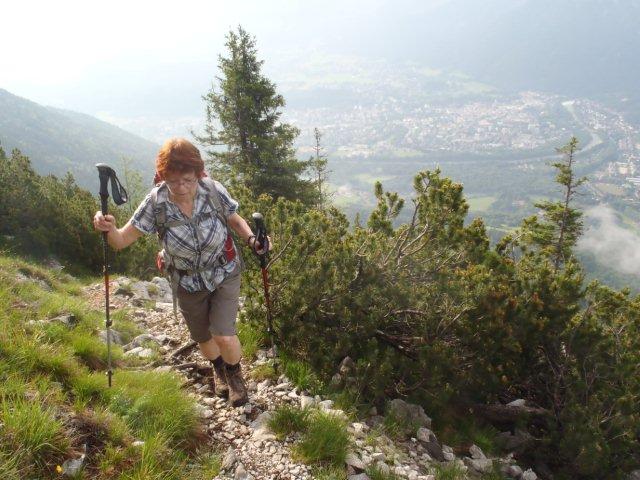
column 52, row 47
column 52, row 43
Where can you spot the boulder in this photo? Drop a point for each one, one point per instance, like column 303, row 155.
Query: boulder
column 307, row 401
column 72, row 467
column 68, row 320
column 408, row 413
column 346, row 366
column 476, row 452
column 260, row 427
column 518, row 442
column 354, row 461
column 140, row 340
column 512, row 471
column 114, row 335
column 229, row 459
column 428, row 439
column 480, row 465
column 359, row 476
column 326, row 405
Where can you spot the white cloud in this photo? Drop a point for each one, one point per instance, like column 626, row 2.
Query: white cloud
column 610, row 242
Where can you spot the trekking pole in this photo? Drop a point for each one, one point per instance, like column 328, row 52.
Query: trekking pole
column 106, row 174
column 263, row 240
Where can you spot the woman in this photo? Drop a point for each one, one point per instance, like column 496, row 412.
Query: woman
column 199, row 252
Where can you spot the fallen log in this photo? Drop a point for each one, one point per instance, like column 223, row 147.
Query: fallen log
column 184, row 349
column 185, row 366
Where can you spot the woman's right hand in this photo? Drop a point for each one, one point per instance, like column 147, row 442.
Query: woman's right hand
column 104, row 223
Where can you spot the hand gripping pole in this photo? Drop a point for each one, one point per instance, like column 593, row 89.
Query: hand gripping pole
column 106, row 175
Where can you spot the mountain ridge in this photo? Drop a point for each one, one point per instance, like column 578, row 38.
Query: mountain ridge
column 58, row 140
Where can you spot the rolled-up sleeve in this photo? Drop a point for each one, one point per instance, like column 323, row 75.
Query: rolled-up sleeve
column 144, row 219
column 229, row 205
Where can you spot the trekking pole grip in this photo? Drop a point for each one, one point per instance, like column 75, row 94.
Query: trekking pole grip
column 104, row 172
column 261, row 236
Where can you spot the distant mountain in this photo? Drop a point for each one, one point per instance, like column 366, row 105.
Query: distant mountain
column 60, row 141
column 573, row 47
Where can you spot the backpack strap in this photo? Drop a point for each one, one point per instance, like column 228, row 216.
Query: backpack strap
column 213, row 199
column 160, row 213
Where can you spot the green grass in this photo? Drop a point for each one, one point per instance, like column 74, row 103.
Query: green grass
column 154, row 402
column 350, row 402
column 10, row 466
column 209, row 466
column 153, row 289
column 376, row 473
column 461, row 430
column 325, row 441
column 251, row 339
column 51, row 373
column 495, row 474
column 450, row 471
column 287, row 419
column 330, row 472
column 32, row 432
column 263, row 372
column 301, row 375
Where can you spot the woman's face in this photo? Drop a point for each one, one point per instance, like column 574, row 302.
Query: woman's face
column 182, row 185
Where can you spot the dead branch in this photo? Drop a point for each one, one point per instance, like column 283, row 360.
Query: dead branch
column 185, row 349
column 392, row 342
column 186, row 366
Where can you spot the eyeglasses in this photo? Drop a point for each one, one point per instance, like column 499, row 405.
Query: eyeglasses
column 176, row 183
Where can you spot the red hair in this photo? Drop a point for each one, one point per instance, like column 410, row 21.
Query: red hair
column 178, row 155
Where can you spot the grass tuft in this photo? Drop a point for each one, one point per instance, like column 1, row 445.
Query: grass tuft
column 153, row 401
column 302, row 376
column 209, row 466
column 330, row 472
column 251, row 339
column 287, row 419
column 32, row 432
column 450, row 471
column 263, row 372
column 325, row 441
column 375, row 473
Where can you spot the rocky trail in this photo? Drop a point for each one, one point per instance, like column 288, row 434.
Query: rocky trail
column 252, row 451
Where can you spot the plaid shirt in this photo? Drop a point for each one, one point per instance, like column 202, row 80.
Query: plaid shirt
column 191, row 247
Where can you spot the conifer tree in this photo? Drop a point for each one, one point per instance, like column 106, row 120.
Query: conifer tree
column 558, row 232
column 318, row 166
column 248, row 143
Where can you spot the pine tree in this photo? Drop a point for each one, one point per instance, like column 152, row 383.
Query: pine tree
column 318, row 167
column 247, row 142
column 561, row 227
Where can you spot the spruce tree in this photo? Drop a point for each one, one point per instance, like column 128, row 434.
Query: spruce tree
column 561, row 226
column 318, row 166
column 247, row 143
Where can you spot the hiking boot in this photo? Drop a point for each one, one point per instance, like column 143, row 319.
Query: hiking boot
column 237, row 389
column 222, row 386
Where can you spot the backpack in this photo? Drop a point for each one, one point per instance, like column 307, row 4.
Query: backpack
column 164, row 261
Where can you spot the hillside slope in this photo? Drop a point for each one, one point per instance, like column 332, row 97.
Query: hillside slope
column 58, row 141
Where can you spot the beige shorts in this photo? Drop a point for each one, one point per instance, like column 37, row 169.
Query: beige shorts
column 211, row 313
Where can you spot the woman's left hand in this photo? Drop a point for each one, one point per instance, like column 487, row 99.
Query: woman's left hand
column 255, row 245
